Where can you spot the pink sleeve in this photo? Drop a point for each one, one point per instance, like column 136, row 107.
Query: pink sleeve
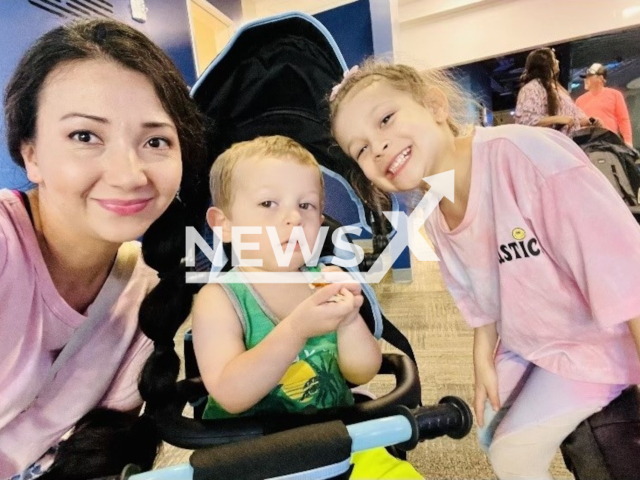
column 622, row 116
column 123, row 392
column 531, row 105
column 3, row 249
column 586, row 228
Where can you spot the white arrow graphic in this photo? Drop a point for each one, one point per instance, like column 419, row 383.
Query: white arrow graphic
column 408, row 227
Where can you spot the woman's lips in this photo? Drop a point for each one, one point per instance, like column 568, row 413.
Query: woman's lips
column 125, row 207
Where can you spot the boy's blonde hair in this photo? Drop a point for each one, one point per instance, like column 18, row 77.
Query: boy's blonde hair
column 221, row 181
column 408, row 79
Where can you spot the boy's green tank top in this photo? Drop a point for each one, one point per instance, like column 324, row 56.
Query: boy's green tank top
column 312, row 382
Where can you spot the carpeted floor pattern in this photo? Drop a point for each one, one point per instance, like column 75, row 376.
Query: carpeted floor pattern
column 424, row 311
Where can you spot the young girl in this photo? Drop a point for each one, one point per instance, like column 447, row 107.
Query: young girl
column 537, row 250
column 101, row 120
column 280, row 347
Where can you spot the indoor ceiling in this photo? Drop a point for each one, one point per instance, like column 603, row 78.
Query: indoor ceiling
column 619, row 51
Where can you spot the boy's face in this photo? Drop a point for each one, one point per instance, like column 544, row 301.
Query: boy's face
column 272, row 192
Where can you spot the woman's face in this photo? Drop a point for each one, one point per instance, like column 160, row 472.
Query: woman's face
column 105, row 155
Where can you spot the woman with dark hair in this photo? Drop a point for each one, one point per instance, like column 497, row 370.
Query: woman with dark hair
column 542, row 101
column 102, row 122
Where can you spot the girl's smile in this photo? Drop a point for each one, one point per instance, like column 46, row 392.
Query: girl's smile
column 399, row 162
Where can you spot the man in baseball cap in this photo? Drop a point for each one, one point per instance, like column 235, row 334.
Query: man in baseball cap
column 604, row 103
column 595, row 69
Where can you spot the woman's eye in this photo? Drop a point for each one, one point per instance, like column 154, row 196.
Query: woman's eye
column 84, row 136
column 159, row 142
column 267, row 204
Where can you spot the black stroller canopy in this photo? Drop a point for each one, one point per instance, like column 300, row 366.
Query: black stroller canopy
column 275, row 78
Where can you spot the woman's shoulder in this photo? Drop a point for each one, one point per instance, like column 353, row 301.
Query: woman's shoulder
column 534, row 85
column 14, row 227
column 531, row 93
column 11, row 207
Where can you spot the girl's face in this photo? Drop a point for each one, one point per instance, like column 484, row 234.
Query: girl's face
column 105, row 155
column 395, row 140
column 278, row 193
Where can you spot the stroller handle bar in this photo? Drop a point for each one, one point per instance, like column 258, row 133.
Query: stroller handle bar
column 451, row 416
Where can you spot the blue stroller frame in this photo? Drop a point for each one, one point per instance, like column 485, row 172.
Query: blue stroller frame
column 317, row 452
column 295, row 59
column 272, row 78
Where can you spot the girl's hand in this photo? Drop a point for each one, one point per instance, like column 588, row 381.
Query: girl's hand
column 486, row 387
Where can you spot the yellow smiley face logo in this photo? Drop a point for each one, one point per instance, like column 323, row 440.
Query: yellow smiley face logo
column 519, row 234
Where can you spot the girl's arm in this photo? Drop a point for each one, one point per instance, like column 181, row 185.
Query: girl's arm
column 235, row 377
column 485, row 339
column 359, row 355
column 588, row 232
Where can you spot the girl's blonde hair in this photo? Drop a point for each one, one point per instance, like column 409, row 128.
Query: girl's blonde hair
column 221, row 181
column 408, row 79
column 420, row 86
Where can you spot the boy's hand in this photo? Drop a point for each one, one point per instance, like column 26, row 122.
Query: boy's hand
column 319, row 314
column 334, row 274
column 486, row 387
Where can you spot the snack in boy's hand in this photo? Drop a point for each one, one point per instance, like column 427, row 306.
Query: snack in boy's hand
column 321, row 282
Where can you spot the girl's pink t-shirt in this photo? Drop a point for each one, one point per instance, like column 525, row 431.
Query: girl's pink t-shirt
column 36, row 323
column 547, row 250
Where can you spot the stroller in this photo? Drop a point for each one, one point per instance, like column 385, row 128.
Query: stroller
column 617, row 161
column 315, row 452
column 272, row 78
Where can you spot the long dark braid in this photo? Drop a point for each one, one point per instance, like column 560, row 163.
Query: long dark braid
column 166, row 307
